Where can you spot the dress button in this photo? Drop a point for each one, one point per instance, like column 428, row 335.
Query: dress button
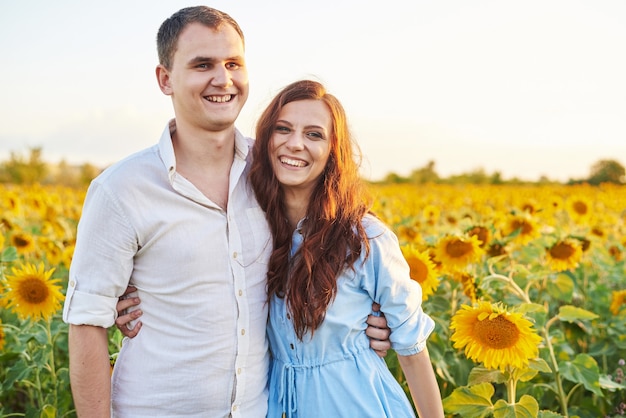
column 291, row 345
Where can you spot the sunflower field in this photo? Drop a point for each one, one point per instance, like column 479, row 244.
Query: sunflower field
column 527, row 286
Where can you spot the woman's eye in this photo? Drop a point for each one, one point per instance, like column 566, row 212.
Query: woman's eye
column 282, row 129
column 316, row 135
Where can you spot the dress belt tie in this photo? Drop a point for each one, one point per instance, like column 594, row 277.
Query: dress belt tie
column 287, row 390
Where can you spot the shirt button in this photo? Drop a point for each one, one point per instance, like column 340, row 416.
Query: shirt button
column 234, row 408
column 243, row 332
column 291, row 345
column 235, row 254
column 72, row 283
column 239, row 370
column 240, row 292
column 288, row 316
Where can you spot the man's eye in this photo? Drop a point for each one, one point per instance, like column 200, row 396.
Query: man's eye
column 232, row 66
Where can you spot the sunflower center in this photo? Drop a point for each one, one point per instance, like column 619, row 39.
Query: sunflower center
column 497, row 333
column 562, row 251
column 20, row 242
column 419, row 271
column 525, row 226
column 33, row 290
column 458, row 248
column 580, row 207
column 481, row 233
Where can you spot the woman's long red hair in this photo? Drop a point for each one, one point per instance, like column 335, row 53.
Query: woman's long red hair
column 333, row 234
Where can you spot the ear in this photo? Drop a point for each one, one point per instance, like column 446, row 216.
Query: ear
column 164, row 80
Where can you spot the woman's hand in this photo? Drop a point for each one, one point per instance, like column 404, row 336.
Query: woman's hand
column 123, row 317
column 378, row 332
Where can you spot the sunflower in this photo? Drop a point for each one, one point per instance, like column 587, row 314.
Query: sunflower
column 422, row 269
column 23, row 242
column 2, row 337
column 526, row 227
column 50, row 250
column 579, row 208
column 618, row 300
column 615, row 252
column 494, row 336
column 431, row 213
column 456, row 252
column 408, row 232
column 469, row 285
column 497, row 249
column 530, row 206
column 481, row 232
column 32, row 293
column 564, row 255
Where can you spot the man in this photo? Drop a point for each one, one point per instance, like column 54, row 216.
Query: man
column 179, row 222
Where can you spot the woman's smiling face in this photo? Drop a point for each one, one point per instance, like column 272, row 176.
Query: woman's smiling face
column 300, row 144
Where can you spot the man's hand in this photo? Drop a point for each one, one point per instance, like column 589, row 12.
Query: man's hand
column 123, row 319
column 378, row 332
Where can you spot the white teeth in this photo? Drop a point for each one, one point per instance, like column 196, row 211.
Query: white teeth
column 293, row 163
column 220, row 99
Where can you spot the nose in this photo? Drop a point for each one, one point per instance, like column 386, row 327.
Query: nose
column 222, row 77
column 295, row 141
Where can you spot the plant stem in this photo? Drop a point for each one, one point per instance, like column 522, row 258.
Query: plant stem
column 518, row 290
column 555, row 371
column 511, row 387
column 52, row 367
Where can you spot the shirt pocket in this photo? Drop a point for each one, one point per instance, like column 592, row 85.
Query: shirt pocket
column 257, row 240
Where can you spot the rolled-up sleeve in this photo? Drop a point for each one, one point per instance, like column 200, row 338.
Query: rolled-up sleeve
column 389, row 282
column 102, row 262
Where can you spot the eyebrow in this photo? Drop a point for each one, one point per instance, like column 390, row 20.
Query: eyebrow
column 286, row 122
column 212, row 60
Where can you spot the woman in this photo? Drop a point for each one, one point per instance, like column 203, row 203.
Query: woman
column 331, row 259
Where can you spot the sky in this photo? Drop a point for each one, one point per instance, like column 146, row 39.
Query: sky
column 525, row 88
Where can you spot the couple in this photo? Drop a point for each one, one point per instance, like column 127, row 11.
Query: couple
column 180, row 222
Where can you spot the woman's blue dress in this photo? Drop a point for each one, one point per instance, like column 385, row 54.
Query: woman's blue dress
column 335, row 373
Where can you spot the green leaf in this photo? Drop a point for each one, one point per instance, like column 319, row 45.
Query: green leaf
column 481, row 374
column 16, row 373
column 540, row 365
column 549, row 414
column 524, row 308
column 583, row 369
column 527, row 407
column 561, row 288
column 9, row 254
column 570, row 313
column 48, row 411
column 525, row 374
column 474, row 401
column 609, row 384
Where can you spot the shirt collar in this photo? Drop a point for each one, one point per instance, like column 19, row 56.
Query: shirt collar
column 166, row 148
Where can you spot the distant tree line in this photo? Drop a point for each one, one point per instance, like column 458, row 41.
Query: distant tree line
column 32, row 169
column 603, row 171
